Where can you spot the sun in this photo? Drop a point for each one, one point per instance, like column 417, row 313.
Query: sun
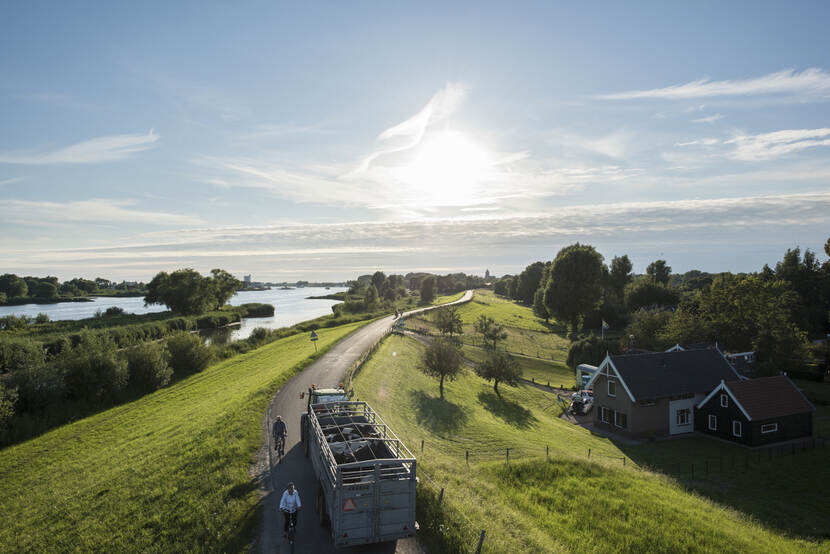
column 446, row 168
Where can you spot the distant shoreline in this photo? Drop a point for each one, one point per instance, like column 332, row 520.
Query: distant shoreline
column 59, row 300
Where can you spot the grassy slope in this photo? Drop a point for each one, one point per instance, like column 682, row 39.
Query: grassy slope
column 571, row 504
column 166, row 473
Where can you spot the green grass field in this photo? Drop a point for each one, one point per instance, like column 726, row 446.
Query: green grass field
column 572, row 503
column 166, row 473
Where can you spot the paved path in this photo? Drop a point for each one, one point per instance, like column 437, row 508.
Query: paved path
column 273, row 476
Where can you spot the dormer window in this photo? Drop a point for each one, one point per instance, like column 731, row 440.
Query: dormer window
column 724, row 401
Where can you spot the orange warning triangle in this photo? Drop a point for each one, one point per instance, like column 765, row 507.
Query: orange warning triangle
column 349, row 505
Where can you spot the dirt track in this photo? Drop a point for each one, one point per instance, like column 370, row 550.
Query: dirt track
column 328, row 371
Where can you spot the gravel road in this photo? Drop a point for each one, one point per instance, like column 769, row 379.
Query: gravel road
column 273, row 477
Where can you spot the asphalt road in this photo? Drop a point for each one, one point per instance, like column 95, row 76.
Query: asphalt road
column 273, row 475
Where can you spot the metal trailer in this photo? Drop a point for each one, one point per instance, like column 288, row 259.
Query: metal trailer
column 365, row 474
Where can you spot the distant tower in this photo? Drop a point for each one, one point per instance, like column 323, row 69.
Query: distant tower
column 247, row 281
column 486, row 273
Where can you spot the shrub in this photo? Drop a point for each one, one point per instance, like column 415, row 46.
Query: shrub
column 148, row 366
column 20, row 354
column 258, row 336
column 590, row 350
column 114, row 310
column 42, row 318
column 93, row 370
column 8, row 398
column 38, row 386
column 256, row 310
column 187, row 353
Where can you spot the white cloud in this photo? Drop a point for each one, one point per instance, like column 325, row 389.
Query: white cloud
column 766, row 146
column 26, row 212
column 710, row 119
column 10, row 181
column 100, row 149
column 441, row 106
column 810, row 83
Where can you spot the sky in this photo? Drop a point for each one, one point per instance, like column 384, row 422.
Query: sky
column 324, row 140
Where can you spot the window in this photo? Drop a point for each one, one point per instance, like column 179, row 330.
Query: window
column 724, row 401
column 612, row 388
column 683, row 416
column 713, row 422
column 606, row 417
column 620, row 420
column 769, row 428
column 736, row 429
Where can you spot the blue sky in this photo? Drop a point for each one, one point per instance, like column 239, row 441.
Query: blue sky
column 330, row 140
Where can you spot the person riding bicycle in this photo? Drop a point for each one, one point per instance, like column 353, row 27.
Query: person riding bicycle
column 279, row 431
column 289, row 506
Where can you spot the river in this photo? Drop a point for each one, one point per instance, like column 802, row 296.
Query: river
column 291, row 306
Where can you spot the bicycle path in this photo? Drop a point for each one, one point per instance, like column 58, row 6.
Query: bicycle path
column 273, row 475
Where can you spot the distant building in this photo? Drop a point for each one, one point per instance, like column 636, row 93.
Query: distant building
column 486, row 273
column 246, row 280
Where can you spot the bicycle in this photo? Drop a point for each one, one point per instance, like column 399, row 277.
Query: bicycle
column 279, row 446
column 291, row 534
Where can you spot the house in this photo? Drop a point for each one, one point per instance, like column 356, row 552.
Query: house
column 743, row 362
column 655, row 394
column 755, row 412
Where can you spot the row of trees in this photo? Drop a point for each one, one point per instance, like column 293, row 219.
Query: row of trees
column 442, row 359
column 15, row 287
column 771, row 312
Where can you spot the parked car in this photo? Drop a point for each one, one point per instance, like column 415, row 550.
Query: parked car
column 582, row 401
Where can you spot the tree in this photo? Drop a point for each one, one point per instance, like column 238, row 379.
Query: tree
column 500, row 367
column 574, row 287
column 225, row 286
column 620, row 274
column 513, row 287
column 13, row 285
column 442, row 360
column 370, row 299
column 428, row 289
column 8, row 398
column 148, row 366
column 93, row 371
column 185, row 291
column 500, row 287
column 647, row 328
column 448, row 320
column 659, row 271
column 528, row 282
column 539, row 309
column 490, row 331
column 645, row 293
column 188, row 354
column 45, row 289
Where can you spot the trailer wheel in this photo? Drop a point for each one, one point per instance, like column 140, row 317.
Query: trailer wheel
column 321, row 507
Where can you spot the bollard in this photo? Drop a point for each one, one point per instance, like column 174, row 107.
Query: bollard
column 441, row 496
column 480, row 542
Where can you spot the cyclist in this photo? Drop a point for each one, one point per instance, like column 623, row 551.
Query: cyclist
column 279, row 432
column 289, row 506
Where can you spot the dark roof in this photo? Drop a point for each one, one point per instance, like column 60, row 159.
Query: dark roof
column 769, row 397
column 663, row 374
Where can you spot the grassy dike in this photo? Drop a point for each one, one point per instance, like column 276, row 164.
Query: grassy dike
column 567, row 504
column 166, row 473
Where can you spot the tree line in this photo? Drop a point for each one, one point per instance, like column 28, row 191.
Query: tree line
column 15, row 289
column 773, row 312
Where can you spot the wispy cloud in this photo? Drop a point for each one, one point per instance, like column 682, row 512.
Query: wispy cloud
column 766, row 146
column 441, row 106
column 32, row 213
column 10, row 181
column 100, row 149
column 710, row 119
column 812, row 82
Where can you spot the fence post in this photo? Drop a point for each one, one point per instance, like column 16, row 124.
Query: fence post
column 589, row 452
column 507, row 453
column 623, row 461
column 547, row 452
column 422, row 446
column 441, row 496
column 480, row 542
column 468, row 458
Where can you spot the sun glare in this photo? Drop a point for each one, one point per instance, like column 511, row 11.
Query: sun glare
column 446, row 168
